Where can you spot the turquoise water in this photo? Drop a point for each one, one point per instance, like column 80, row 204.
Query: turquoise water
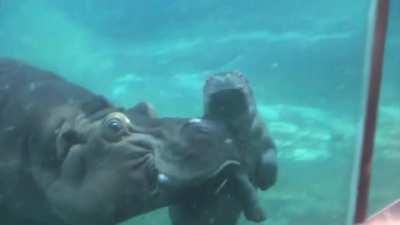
column 304, row 60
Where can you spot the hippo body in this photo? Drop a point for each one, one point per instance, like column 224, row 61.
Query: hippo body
column 228, row 98
column 69, row 157
column 57, row 151
column 28, row 160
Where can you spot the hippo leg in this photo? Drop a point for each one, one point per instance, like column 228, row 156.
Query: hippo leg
column 246, row 193
column 266, row 171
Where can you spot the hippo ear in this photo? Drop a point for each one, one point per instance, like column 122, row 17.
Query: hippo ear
column 142, row 110
column 94, row 104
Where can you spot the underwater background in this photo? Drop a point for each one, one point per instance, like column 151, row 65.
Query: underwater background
column 304, row 60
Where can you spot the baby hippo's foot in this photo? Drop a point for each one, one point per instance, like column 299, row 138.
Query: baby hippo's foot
column 255, row 213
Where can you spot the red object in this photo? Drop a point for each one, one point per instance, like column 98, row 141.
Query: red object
column 374, row 66
column 390, row 215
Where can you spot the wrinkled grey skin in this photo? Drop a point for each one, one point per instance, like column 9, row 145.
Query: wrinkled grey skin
column 192, row 150
column 228, row 98
column 68, row 157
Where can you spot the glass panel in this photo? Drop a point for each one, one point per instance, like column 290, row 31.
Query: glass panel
column 304, row 61
column 386, row 167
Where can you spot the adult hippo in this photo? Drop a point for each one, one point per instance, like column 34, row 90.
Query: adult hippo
column 68, row 157
column 228, row 98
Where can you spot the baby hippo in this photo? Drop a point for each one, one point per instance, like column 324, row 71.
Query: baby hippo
column 228, row 99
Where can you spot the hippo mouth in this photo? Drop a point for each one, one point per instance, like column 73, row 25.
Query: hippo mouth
column 227, row 96
column 144, row 144
column 228, row 103
column 171, row 181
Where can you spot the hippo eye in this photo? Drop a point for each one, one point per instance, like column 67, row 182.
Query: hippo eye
column 114, row 124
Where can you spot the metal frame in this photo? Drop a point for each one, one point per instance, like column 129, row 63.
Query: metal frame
column 373, row 71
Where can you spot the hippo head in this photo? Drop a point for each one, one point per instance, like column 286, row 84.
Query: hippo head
column 107, row 174
column 118, row 164
column 190, row 151
column 194, row 151
column 229, row 98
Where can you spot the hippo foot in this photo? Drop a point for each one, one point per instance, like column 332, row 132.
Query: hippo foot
column 255, row 213
column 247, row 196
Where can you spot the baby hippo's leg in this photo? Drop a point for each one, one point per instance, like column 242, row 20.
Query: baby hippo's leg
column 246, row 193
column 266, row 171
